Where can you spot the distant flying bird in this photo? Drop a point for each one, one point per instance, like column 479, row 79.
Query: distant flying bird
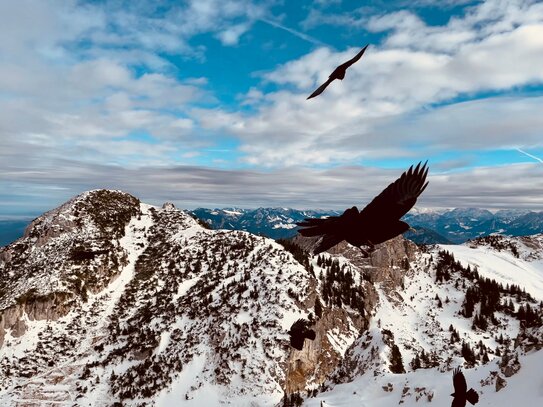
column 298, row 332
column 378, row 222
column 460, row 395
column 339, row 73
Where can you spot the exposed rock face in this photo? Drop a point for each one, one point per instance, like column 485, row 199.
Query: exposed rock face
column 168, row 206
column 50, row 307
column 511, row 367
column 335, row 332
column 387, row 263
column 500, row 383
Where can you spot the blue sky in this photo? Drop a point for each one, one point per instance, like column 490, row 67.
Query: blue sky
column 203, row 102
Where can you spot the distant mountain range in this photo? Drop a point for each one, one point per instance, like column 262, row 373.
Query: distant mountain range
column 460, row 225
column 443, row 227
column 277, row 223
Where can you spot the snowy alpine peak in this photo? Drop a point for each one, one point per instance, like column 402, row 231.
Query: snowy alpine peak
column 163, row 309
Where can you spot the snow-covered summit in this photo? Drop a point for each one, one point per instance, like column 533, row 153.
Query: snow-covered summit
column 161, row 309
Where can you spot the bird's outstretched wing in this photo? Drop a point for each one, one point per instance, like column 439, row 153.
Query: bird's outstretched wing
column 354, row 59
column 298, row 332
column 332, row 228
column 399, row 197
column 459, row 382
column 321, row 88
column 299, row 325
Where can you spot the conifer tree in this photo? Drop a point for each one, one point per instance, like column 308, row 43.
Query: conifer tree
column 396, row 362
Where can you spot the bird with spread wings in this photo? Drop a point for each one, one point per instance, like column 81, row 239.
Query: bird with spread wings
column 460, row 394
column 338, row 73
column 378, row 222
column 298, row 332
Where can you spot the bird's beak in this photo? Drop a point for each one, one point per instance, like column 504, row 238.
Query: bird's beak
column 412, row 230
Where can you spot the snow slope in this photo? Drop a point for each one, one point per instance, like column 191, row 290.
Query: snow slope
column 412, row 319
column 525, row 389
column 502, row 266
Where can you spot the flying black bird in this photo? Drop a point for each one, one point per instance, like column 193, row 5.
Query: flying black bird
column 378, row 222
column 339, row 73
column 298, row 332
column 460, row 395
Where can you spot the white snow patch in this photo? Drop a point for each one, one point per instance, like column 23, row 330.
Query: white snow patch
column 284, row 226
column 523, row 389
column 184, row 287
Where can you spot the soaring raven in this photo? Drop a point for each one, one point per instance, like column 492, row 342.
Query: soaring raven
column 298, row 332
column 378, row 222
column 460, row 395
column 339, row 73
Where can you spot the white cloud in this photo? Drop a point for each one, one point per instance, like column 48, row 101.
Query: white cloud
column 66, row 110
column 231, row 35
column 384, row 104
column 508, row 186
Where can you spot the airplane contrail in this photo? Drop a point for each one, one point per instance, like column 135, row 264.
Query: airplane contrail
column 530, row 155
column 296, row 33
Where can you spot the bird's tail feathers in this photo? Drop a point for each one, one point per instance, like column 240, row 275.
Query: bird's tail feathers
column 472, row 396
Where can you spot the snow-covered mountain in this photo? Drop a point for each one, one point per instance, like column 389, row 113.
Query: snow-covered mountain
column 109, row 301
column 444, row 311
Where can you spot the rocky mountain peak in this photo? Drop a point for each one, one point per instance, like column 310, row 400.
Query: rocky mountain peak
column 105, row 210
column 149, row 287
column 168, row 206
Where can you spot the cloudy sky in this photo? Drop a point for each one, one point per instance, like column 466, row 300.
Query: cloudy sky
column 203, row 102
